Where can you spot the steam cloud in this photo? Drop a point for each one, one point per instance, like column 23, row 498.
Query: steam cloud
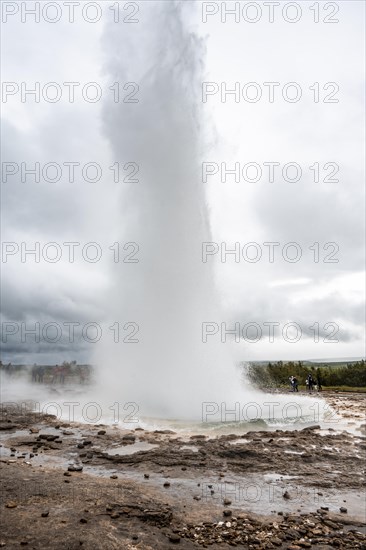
column 169, row 293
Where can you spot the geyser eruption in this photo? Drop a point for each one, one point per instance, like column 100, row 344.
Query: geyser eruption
column 170, row 291
column 169, row 371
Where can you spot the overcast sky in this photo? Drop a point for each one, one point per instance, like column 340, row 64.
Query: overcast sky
column 324, row 288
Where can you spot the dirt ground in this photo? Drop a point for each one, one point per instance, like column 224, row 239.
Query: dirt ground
column 92, row 486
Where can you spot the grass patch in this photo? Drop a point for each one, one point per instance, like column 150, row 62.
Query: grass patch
column 345, row 389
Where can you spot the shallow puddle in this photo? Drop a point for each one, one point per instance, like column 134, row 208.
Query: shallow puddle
column 131, row 449
column 294, row 452
column 192, row 448
column 277, row 477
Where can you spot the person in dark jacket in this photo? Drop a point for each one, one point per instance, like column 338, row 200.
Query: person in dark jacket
column 309, row 382
column 319, row 380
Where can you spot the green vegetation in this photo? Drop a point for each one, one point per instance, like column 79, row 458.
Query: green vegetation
column 340, row 376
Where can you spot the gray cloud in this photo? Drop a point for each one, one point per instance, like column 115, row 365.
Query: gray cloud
column 303, row 212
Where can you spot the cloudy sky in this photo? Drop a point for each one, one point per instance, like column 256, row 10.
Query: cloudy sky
column 317, row 122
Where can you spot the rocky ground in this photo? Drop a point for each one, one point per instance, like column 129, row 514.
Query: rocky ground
column 91, row 486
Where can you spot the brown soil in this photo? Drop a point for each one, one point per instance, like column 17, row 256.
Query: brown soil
column 281, row 489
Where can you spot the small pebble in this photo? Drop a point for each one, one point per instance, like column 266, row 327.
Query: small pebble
column 11, row 504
